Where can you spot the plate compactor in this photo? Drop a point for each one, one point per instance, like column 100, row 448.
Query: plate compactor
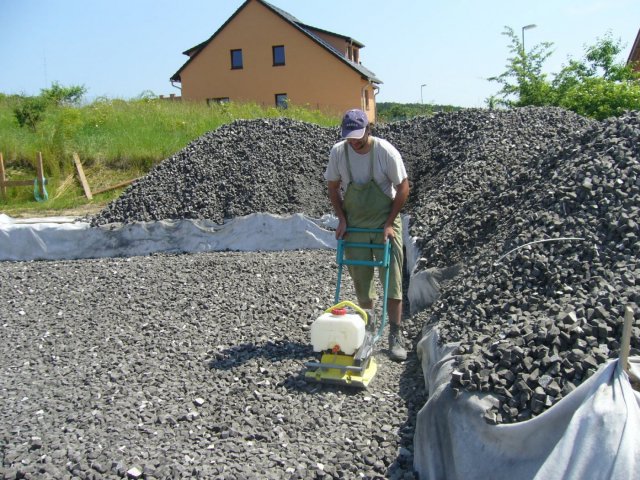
column 345, row 334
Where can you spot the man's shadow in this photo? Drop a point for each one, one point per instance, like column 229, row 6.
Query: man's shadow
column 238, row 355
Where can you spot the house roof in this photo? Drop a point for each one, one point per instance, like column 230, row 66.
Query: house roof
column 305, row 29
column 634, row 55
column 293, row 19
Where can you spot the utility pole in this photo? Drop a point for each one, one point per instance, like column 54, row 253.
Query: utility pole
column 526, row 27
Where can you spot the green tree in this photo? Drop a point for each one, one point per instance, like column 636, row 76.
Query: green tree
column 602, row 60
column 523, row 83
column 599, row 98
column 29, row 111
column 598, row 85
column 60, row 95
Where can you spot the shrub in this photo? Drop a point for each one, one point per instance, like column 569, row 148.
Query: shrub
column 29, row 111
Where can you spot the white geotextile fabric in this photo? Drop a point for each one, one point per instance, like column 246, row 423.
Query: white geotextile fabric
column 592, row 433
column 62, row 239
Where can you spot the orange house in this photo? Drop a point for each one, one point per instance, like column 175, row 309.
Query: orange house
column 263, row 54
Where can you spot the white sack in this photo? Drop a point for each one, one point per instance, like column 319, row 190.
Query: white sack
column 592, row 433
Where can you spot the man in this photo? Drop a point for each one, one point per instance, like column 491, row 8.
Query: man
column 371, row 173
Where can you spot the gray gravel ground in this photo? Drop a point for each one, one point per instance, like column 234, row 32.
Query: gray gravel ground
column 188, row 366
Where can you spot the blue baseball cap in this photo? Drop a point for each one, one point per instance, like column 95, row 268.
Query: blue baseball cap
column 354, row 124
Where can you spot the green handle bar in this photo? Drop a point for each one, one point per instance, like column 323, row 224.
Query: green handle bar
column 384, row 263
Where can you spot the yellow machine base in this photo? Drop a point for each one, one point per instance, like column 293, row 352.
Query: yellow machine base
column 351, row 378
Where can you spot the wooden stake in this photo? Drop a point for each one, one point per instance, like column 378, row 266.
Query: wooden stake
column 3, row 179
column 83, row 179
column 19, row 183
column 40, row 175
column 117, row 185
column 626, row 338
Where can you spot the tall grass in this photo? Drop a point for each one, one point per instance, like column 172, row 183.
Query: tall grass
column 126, row 134
column 115, row 139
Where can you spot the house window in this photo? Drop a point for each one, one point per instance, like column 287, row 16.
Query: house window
column 278, row 55
column 236, row 59
column 218, row 100
column 366, row 99
column 281, row 100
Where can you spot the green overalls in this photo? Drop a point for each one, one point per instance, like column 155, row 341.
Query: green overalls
column 367, row 206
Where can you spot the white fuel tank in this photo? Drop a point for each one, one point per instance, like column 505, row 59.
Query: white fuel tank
column 347, row 330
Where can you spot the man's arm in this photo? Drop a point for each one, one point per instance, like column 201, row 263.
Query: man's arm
column 336, row 200
column 402, row 193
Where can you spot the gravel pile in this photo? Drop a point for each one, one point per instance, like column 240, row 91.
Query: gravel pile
column 248, row 166
column 540, row 208
column 188, row 366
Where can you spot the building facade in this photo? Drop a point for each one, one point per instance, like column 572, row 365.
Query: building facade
column 263, row 54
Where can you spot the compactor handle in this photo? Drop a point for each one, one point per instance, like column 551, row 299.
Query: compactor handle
column 347, row 303
column 385, row 262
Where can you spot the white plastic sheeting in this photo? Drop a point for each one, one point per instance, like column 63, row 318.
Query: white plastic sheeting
column 61, row 238
column 592, row 433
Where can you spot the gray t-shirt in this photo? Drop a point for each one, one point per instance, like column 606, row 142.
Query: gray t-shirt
column 388, row 167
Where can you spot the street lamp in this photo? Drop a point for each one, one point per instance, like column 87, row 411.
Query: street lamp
column 526, row 27
column 421, row 87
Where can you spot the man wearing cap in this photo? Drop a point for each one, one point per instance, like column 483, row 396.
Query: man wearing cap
column 368, row 186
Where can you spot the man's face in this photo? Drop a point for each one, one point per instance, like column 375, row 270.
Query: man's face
column 361, row 143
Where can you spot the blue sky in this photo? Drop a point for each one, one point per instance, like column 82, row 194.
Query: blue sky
column 121, row 48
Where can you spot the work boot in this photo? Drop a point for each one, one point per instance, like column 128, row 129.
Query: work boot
column 396, row 343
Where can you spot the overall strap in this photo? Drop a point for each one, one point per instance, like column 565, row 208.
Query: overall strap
column 346, row 152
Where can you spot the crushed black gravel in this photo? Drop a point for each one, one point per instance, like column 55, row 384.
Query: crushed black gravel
column 540, row 208
column 188, row 366
column 191, row 365
column 248, row 166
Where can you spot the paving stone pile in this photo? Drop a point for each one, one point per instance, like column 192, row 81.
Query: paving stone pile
column 248, row 166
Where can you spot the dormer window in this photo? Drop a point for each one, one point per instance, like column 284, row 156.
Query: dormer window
column 353, row 53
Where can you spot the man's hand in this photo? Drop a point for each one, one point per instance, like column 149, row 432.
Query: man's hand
column 336, row 201
column 341, row 229
column 402, row 193
column 388, row 233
